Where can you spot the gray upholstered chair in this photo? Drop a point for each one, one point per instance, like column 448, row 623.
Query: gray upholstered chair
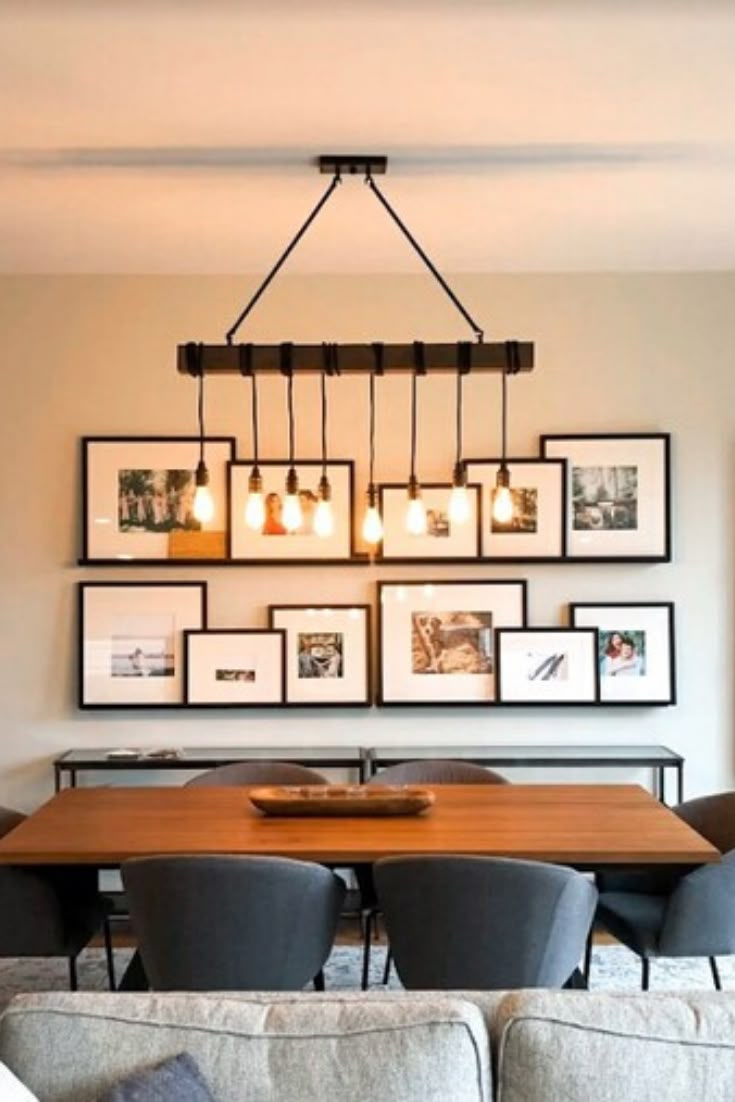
column 484, row 923
column 663, row 913
column 426, row 771
column 50, row 912
column 258, row 772
column 232, row 923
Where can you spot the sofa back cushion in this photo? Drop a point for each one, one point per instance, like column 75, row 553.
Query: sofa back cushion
column 640, row 1048
column 255, row 1048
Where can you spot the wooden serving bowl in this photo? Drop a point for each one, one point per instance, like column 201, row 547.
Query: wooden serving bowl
column 340, row 799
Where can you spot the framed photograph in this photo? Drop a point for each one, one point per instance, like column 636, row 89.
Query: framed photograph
column 443, row 540
column 273, row 543
column 618, row 498
column 327, row 653
column 437, row 639
column 131, row 641
column 547, row 666
column 537, row 529
column 138, row 497
column 234, row 668
column 635, row 654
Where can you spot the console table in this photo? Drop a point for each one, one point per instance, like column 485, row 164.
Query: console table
column 513, row 756
column 73, row 762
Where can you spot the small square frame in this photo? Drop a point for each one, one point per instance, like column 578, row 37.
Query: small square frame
column 312, row 680
column 533, row 669
column 460, row 542
column 235, row 654
column 648, row 677
column 547, row 540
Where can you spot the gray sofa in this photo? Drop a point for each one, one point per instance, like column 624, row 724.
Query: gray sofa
column 527, row 1046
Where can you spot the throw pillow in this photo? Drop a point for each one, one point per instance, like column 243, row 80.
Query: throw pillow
column 175, row 1080
column 11, row 1088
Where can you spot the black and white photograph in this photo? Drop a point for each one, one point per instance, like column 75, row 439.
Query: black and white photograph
column 327, row 653
column 138, row 498
column 234, row 668
column 444, row 537
column 131, row 640
column 636, row 656
column 618, row 504
column 437, row 638
column 536, row 526
column 547, row 666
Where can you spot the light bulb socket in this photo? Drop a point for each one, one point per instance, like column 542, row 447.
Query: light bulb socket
column 502, row 479
column 414, row 489
column 372, row 496
column 255, row 481
column 292, row 481
column 202, row 474
column 459, row 475
column 325, row 490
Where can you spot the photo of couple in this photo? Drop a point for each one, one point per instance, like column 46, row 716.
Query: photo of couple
column 273, row 524
column 622, row 654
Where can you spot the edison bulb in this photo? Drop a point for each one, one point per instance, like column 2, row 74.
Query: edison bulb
column 292, row 515
column 502, row 505
column 372, row 525
column 459, row 505
column 416, row 517
column 324, row 519
column 203, row 504
column 255, row 511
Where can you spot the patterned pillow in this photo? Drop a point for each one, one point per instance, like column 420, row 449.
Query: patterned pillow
column 175, row 1080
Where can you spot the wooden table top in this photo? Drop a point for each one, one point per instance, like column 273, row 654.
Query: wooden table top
column 583, row 825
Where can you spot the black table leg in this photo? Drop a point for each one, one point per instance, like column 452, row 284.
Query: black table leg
column 134, row 978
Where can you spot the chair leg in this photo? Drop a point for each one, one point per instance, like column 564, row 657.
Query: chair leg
column 588, row 957
column 715, row 973
column 645, row 973
column 388, row 962
column 319, row 980
column 367, row 933
column 109, row 955
column 73, row 984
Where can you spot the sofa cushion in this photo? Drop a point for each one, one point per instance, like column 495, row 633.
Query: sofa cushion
column 290, row 1048
column 641, row 1048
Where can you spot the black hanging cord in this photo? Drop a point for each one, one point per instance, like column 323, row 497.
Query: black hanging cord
column 511, row 367
column 200, row 411
column 414, row 378
column 371, row 478
column 417, row 248
column 336, row 180
column 291, row 429
column 246, row 369
column 460, row 377
column 324, row 424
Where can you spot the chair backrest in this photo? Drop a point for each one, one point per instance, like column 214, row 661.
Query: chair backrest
column 9, row 819
column 259, row 772
column 232, row 923
column 439, row 771
column 713, row 817
column 483, row 922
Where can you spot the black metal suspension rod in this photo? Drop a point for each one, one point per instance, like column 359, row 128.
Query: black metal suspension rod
column 336, row 180
column 417, row 248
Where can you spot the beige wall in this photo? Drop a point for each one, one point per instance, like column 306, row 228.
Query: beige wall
column 96, row 355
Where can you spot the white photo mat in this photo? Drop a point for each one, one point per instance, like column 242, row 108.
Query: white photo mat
column 444, row 538
column 547, row 667
column 639, row 667
column 459, row 611
column 121, row 526
column 132, row 644
column 234, row 667
column 643, row 460
column 274, row 543
column 327, row 653
column 545, row 481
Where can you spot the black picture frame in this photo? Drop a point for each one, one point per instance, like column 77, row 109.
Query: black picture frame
column 341, row 473
column 227, row 699
column 399, row 683
column 551, row 532
column 101, row 496
column 320, row 691
column 585, row 665
column 642, row 622
column 469, row 536
column 636, row 526
column 94, row 653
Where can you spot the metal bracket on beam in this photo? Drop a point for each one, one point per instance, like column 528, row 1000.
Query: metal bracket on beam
column 350, row 164
column 359, row 359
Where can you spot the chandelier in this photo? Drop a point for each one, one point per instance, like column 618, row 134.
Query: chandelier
column 370, row 360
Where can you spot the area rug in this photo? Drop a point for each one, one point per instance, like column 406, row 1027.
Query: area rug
column 614, row 968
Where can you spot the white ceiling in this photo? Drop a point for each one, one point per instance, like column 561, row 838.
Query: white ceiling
column 178, row 135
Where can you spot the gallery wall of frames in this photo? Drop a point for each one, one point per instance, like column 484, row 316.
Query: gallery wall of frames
column 584, row 499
